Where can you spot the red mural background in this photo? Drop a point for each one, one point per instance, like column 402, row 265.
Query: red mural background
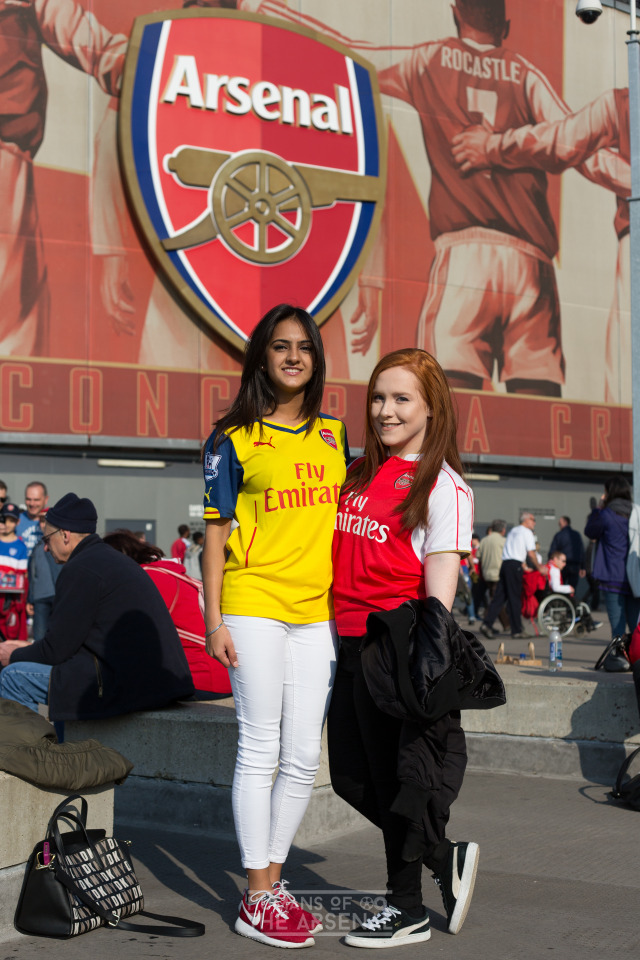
column 95, row 379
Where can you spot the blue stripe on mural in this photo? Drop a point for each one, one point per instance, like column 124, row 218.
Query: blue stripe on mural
column 362, row 232
column 140, row 123
column 369, row 125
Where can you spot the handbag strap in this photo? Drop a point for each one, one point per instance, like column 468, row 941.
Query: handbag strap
column 59, row 842
column 180, row 928
column 84, row 809
column 610, row 647
column 615, row 793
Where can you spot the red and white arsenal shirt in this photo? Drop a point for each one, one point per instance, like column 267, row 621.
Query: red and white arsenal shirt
column 377, row 564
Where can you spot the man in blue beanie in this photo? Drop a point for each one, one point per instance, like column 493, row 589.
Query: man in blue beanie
column 110, row 646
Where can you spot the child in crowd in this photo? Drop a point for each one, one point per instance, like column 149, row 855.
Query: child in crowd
column 13, row 576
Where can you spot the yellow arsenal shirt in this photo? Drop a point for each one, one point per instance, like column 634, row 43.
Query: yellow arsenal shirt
column 281, row 488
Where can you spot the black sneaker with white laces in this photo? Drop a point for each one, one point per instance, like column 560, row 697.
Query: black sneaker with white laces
column 392, row 927
column 457, row 880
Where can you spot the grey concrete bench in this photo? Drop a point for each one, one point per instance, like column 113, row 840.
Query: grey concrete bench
column 576, row 725
column 25, row 814
column 184, row 757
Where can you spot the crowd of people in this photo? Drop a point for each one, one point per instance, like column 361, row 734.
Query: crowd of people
column 505, row 576
column 303, row 550
column 27, row 582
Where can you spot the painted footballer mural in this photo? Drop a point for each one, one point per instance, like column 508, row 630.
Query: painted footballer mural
column 450, row 174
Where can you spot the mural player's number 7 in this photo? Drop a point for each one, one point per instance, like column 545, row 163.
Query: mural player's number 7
column 484, row 102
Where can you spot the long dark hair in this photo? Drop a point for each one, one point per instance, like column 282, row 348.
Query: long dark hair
column 256, row 398
column 124, row 541
column 439, row 444
column 616, row 488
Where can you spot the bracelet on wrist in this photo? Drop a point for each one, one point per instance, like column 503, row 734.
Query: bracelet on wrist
column 215, row 630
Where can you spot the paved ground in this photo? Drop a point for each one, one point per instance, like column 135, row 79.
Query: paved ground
column 579, row 653
column 558, row 877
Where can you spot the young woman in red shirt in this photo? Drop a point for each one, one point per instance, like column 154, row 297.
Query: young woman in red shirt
column 405, row 518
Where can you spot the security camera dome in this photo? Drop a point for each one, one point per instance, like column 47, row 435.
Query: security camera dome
column 588, row 10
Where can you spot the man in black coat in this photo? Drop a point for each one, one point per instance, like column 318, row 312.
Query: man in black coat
column 110, row 646
column 568, row 541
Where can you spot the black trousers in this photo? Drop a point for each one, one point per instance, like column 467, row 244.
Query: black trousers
column 509, row 590
column 503, row 617
column 592, row 596
column 363, row 758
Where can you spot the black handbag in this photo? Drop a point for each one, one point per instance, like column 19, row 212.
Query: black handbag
column 615, row 656
column 628, row 790
column 80, row 880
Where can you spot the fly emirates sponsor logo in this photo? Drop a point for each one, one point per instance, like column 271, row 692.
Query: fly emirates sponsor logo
column 302, row 494
column 353, row 522
column 269, row 101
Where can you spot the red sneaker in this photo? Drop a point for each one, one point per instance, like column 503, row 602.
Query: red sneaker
column 307, row 921
column 268, row 921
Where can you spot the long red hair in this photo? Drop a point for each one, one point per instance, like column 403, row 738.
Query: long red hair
column 439, row 444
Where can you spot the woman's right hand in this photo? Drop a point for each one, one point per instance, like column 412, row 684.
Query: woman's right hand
column 220, row 647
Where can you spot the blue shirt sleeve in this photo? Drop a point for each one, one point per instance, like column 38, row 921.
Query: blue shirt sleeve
column 223, row 477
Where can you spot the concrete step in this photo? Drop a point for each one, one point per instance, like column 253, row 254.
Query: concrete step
column 184, row 760
column 546, row 757
column 572, row 705
column 577, row 724
column 205, row 808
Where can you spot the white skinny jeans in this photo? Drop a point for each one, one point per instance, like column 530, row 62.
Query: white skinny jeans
column 282, row 688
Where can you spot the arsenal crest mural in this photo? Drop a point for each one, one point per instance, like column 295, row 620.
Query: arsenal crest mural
column 444, row 174
column 254, row 157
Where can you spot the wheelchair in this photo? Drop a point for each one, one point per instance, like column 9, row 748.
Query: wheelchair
column 557, row 611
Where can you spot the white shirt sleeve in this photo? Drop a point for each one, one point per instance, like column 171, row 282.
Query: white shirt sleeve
column 530, row 540
column 569, row 142
column 78, row 38
column 555, row 580
column 450, row 518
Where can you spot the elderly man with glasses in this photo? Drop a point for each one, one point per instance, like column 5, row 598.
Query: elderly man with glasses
column 110, row 645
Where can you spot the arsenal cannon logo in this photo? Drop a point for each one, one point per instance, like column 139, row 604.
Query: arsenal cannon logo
column 253, row 154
